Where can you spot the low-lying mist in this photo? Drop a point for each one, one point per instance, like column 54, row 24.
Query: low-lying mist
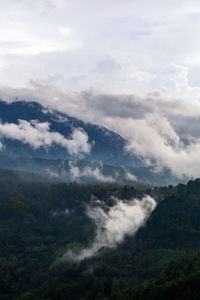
column 114, row 223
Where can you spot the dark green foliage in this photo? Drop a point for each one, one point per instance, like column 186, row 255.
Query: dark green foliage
column 36, row 228
column 175, row 223
column 181, row 280
column 41, row 220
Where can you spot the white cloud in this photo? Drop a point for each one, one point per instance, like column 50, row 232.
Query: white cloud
column 38, row 135
column 125, row 46
column 113, row 224
column 65, row 31
column 93, row 173
column 131, row 176
column 78, row 143
column 163, row 131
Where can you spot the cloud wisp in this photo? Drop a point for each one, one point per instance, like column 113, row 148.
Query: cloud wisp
column 89, row 173
column 96, row 173
column 114, row 223
column 37, row 134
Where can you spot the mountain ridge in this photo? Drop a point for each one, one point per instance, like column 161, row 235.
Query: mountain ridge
column 107, row 146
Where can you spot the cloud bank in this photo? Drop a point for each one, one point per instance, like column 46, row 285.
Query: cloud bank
column 124, row 46
column 114, row 223
column 38, row 135
column 162, row 131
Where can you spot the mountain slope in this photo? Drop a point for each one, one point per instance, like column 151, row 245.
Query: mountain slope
column 105, row 145
column 41, row 221
column 37, row 139
column 175, row 223
column 181, row 280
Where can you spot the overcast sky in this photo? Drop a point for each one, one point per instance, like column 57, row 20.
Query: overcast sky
column 117, row 45
column 132, row 66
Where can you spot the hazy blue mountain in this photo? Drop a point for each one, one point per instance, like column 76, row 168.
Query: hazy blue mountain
column 107, row 146
column 90, row 172
column 107, row 161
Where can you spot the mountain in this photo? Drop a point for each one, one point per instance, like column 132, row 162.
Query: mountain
column 106, row 146
column 37, row 139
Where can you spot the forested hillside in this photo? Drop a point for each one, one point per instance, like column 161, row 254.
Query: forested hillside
column 42, row 223
column 180, row 280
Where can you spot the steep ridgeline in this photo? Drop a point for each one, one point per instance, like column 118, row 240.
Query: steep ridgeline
column 105, row 145
column 40, row 140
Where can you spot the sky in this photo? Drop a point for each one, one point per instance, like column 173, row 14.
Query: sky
column 129, row 46
column 132, row 66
